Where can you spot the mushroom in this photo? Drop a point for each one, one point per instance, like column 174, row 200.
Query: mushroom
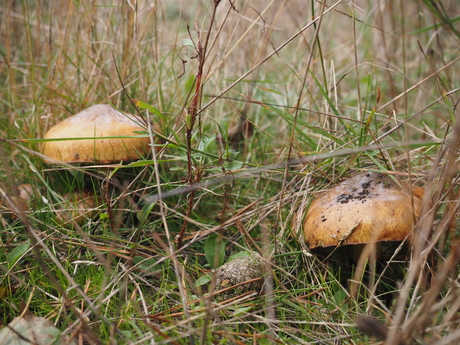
column 25, row 196
column 93, row 124
column 240, row 276
column 367, row 208
column 21, row 202
column 98, row 121
column 78, row 207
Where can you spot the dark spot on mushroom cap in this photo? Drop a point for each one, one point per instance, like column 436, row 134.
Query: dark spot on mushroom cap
column 344, row 198
column 364, row 192
column 366, row 184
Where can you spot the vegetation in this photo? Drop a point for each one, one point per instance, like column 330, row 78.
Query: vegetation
column 260, row 104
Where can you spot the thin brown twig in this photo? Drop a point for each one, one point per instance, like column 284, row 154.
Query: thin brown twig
column 194, row 174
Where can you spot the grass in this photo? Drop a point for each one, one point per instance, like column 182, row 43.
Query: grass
column 361, row 87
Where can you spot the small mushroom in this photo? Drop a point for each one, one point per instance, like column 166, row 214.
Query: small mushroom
column 240, row 275
column 369, row 207
column 98, row 121
column 78, row 207
column 25, row 195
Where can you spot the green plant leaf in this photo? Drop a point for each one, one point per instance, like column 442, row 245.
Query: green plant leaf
column 228, row 166
column 242, row 310
column 16, row 253
column 203, row 280
column 150, row 265
column 187, row 42
column 150, row 108
column 241, row 254
column 214, row 250
column 233, row 165
column 340, row 296
column 206, row 141
column 144, row 214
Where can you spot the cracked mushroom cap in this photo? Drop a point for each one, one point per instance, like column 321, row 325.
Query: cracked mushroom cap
column 241, row 275
column 100, row 120
column 369, row 207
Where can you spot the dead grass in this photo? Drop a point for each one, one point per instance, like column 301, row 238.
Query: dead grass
column 365, row 86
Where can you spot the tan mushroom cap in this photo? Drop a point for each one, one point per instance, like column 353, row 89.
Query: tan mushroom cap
column 369, row 207
column 100, row 120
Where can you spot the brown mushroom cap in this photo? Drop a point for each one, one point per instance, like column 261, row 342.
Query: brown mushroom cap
column 369, row 207
column 100, row 120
